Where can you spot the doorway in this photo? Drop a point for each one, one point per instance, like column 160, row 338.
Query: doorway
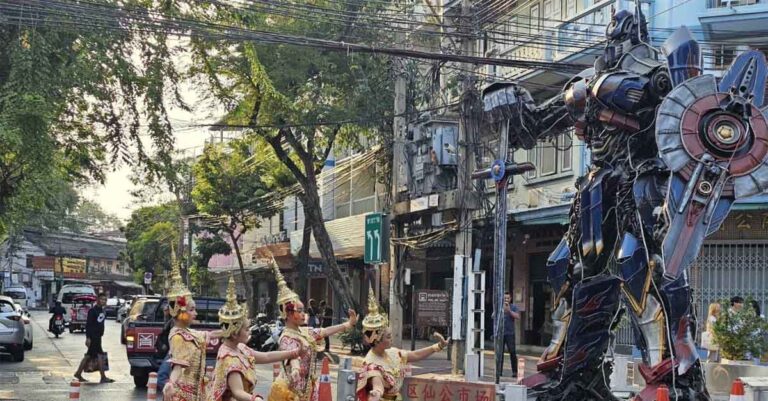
column 540, row 332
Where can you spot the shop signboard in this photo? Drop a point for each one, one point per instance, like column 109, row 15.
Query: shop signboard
column 71, row 267
column 433, row 308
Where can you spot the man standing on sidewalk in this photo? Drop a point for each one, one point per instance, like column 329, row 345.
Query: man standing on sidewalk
column 94, row 330
column 326, row 321
column 510, row 315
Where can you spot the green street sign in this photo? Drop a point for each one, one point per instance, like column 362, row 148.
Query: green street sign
column 374, row 238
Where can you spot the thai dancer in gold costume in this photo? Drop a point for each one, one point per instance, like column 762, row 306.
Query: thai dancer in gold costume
column 298, row 378
column 383, row 371
column 234, row 377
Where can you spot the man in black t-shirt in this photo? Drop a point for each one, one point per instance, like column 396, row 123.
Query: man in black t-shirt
column 94, row 330
column 326, row 321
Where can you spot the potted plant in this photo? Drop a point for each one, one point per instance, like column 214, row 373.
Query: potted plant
column 740, row 334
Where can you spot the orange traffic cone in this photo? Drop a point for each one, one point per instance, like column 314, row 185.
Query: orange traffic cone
column 662, row 393
column 325, row 381
column 737, row 390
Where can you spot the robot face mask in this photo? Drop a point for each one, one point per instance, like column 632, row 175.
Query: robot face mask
column 622, row 33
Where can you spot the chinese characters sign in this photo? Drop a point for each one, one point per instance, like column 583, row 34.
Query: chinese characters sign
column 419, row 389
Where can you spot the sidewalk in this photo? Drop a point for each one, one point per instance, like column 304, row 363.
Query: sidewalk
column 438, row 366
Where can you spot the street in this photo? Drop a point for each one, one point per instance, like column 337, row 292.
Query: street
column 47, row 369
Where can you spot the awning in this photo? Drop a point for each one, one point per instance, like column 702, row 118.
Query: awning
column 128, row 284
column 757, row 202
column 557, row 214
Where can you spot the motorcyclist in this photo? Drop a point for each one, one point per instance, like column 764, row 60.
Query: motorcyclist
column 56, row 310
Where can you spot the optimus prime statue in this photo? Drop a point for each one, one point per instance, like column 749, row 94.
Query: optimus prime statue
column 672, row 149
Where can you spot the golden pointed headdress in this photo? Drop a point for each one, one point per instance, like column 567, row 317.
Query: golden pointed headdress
column 284, row 293
column 232, row 313
column 376, row 320
column 179, row 294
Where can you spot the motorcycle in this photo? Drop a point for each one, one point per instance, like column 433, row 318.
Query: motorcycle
column 264, row 334
column 58, row 325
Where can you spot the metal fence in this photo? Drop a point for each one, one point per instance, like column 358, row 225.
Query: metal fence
column 722, row 270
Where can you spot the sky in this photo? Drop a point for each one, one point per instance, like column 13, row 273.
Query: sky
column 114, row 196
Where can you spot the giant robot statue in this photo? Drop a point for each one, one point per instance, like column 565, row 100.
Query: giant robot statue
column 672, row 149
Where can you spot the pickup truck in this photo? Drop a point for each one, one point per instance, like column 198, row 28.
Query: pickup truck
column 141, row 337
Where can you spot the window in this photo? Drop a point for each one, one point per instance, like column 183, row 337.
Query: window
column 363, row 189
column 723, row 57
column 6, row 307
column 547, row 158
column 566, row 142
column 535, row 21
column 570, row 8
column 547, row 16
column 29, row 261
column 340, row 190
column 551, row 157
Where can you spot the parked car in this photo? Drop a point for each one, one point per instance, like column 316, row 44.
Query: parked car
column 143, row 307
column 71, row 291
column 28, row 327
column 141, row 337
column 113, row 304
column 122, row 312
column 20, row 295
column 11, row 329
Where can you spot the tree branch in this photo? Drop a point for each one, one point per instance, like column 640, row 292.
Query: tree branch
column 331, row 139
column 294, row 142
column 276, row 143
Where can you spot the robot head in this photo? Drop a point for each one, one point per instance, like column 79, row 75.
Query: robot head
column 624, row 31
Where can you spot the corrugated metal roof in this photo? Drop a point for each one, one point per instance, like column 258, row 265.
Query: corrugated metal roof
column 75, row 245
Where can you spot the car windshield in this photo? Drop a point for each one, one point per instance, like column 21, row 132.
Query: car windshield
column 69, row 296
column 6, row 307
column 208, row 310
column 15, row 294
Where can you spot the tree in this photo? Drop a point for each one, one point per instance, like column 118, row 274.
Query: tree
column 93, row 218
column 231, row 188
column 73, row 102
column 150, row 232
column 298, row 92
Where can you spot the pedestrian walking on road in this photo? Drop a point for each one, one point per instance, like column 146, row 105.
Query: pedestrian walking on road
column 327, row 321
column 510, row 315
column 94, row 331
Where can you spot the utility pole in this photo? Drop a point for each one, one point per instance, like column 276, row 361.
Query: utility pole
column 466, row 164
column 399, row 127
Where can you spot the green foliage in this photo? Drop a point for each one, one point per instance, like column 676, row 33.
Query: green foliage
column 740, row 333
column 354, row 340
column 149, row 233
column 72, row 102
column 208, row 245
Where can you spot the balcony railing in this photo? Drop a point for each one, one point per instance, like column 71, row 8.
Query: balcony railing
column 732, row 3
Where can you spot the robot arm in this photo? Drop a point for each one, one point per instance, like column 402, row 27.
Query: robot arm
column 529, row 123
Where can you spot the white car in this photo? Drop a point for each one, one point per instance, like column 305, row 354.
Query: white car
column 28, row 331
column 122, row 313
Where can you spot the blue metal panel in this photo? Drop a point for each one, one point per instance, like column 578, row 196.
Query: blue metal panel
column 587, row 242
column 747, row 75
column 595, row 304
column 633, row 267
column 683, row 56
column 557, row 265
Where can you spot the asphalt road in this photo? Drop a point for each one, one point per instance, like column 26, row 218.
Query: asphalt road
column 47, row 369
